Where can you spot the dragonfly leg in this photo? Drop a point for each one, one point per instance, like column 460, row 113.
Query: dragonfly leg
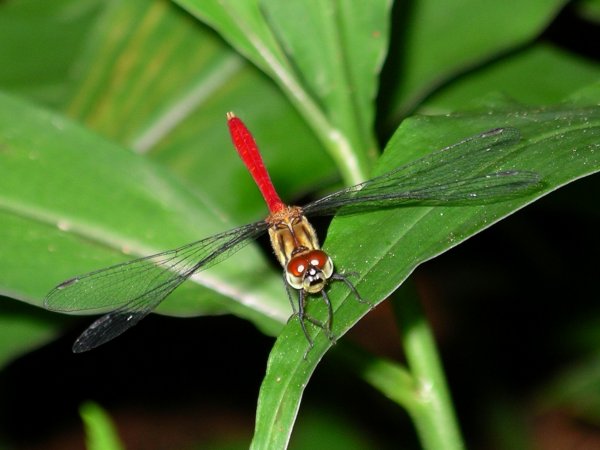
column 326, row 327
column 344, row 278
column 302, row 317
column 299, row 313
column 322, row 326
column 329, row 322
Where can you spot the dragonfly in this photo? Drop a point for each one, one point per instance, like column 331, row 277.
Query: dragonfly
column 131, row 290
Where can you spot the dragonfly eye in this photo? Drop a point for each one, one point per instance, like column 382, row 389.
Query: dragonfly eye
column 298, row 265
column 320, row 260
column 317, row 258
column 295, row 271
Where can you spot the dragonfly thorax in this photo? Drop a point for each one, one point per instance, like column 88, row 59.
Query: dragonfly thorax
column 291, row 234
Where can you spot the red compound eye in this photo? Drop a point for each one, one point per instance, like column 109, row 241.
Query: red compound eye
column 297, row 266
column 317, row 258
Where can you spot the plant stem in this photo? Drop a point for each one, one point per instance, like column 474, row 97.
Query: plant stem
column 432, row 410
column 421, row 388
column 391, row 379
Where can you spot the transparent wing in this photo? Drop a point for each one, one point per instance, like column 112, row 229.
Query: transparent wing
column 442, row 176
column 133, row 289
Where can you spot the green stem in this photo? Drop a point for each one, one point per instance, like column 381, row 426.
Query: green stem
column 432, row 411
column 420, row 388
column 391, row 379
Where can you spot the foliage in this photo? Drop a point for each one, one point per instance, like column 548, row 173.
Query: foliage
column 114, row 145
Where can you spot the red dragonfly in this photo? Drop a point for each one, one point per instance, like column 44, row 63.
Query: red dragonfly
column 134, row 289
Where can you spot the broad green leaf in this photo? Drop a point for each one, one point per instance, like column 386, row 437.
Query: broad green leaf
column 243, row 25
column 551, row 75
column 440, row 40
column 561, row 144
column 341, row 61
column 38, row 41
column 246, row 27
column 71, row 202
column 99, row 429
column 163, row 87
column 23, row 328
column 147, row 62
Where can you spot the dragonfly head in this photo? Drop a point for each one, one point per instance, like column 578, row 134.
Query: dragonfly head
column 309, row 271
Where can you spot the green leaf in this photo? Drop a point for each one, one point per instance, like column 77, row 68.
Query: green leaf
column 243, row 25
column 440, row 40
column 71, row 202
column 330, row 85
column 169, row 102
column 561, row 145
column 552, row 75
column 39, row 40
column 99, row 429
column 23, row 328
column 147, row 67
column 341, row 61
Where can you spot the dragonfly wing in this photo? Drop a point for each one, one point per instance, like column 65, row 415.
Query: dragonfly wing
column 106, row 328
column 461, row 172
column 116, row 322
column 133, row 289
